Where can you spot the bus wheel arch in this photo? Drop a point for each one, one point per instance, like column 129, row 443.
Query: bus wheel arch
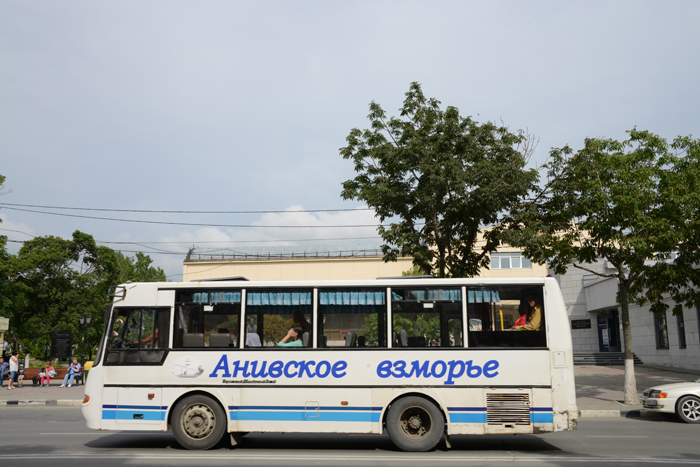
column 198, row 420
column 415, row 422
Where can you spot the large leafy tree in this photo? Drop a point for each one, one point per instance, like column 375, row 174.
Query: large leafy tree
column 635, row 203
column 55, row 281
column 137, row 269
column 439, row 178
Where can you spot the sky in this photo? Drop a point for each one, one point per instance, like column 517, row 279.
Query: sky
column 243, row 105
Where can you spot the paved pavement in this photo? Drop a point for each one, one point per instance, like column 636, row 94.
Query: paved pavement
column 599, row 390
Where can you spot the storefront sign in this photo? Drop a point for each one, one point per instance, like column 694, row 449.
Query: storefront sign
column 580, row 324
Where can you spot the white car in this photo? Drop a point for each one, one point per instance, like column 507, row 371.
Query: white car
column 683, row 399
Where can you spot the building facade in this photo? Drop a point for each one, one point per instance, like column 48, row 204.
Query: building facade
column 657, row 339
column 328, row 264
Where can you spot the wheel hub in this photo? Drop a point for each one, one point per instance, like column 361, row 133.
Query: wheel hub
column 691, row 410
column 198, row 421
column 415, row 423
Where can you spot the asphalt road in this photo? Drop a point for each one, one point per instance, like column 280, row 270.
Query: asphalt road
column 57, row 436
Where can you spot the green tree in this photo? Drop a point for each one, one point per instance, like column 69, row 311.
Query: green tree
column 414, row 271
column 370, row 328
column 55, row 281
column 5, row 283
column 439, row 178
column 137, row 269
column 276, row 327
column 635, row 203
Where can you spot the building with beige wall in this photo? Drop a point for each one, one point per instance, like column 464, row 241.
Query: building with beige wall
column 329, row 264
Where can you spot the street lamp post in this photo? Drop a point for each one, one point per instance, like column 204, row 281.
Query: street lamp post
column 85, row 323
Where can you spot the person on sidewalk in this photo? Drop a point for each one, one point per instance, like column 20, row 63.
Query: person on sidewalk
column 50, row 372
column 4, row 368
column 14, row 367
column 20, row 375
column 73, row 371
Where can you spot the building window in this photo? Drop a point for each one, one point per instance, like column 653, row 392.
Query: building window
column 681, row 331
column 661, row 330
column 509, row 261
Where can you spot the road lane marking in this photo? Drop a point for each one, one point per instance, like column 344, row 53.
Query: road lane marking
column 325, row 459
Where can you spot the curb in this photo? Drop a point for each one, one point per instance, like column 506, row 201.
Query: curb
column 633, row 413
column 54, row 403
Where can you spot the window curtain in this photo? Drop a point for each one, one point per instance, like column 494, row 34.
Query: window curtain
column 355, row 301
column 433, row 294
column 483, row 296
column 216, row 297
column 278, row 302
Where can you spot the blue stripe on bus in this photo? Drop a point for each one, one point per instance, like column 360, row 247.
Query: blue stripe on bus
column 129, row 415
column 468, row 417
column 541, row 417
column 302, row 416
column 479, row 415
column 135, row 407
column 282, row 407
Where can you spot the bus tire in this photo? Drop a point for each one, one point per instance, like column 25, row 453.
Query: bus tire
column 198, row 422
column 415, row 424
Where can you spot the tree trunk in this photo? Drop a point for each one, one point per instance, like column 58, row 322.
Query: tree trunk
column 631, row 396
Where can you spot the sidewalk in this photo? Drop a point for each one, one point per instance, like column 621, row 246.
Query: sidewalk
column 36, row 395
column 599, row 390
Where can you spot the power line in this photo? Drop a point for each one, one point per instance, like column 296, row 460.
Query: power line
column 185, row 212
column 201, row 225
column 249, row 241
column 216, row 241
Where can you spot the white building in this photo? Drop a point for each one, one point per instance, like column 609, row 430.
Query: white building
column 657, row 339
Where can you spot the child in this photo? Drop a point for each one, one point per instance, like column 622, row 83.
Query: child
column 47, row 373
column 20, row 377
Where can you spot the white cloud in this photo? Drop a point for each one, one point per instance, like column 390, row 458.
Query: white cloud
column 15, row 232
column 267, row 233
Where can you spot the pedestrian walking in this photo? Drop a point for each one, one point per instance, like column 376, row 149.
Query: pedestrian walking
column 14, row 368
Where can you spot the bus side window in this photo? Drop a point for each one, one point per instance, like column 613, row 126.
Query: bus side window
column 503, row 317
column 352, row 317
column 270, row 314
column 427, row 317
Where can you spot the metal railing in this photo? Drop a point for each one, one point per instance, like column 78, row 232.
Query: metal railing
column 193, row 256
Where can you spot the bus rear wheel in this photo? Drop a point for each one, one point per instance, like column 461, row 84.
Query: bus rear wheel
column 415, row 424
column 198, row 422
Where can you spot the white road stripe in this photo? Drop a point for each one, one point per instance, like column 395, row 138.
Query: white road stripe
column 326, row 459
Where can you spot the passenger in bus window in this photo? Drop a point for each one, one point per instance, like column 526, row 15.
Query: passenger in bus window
column 300, row 320
column 292, row 339
column 252, row 338
column 534, row 316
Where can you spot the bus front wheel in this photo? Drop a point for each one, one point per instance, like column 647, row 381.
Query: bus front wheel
column 415, row 424
column 198, row 422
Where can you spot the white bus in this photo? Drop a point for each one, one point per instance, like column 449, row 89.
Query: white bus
column 419, row 358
